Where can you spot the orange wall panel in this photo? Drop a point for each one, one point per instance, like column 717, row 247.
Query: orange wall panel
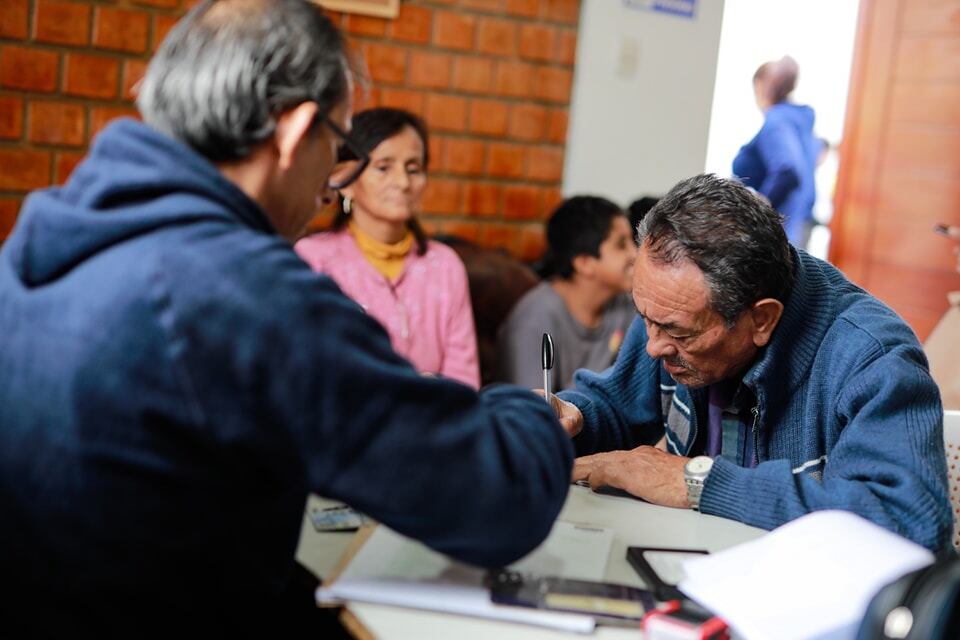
column 929, row 103
column 900, row 161
column 923, row 149
column 931, row 16
column 928, row 57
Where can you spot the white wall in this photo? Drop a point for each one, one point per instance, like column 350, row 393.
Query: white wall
column 642, row 94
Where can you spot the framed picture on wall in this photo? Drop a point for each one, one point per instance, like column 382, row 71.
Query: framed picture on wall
column 379, row 8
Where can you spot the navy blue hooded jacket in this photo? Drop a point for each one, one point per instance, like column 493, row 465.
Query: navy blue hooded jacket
column 174, row 380
column 780, row 162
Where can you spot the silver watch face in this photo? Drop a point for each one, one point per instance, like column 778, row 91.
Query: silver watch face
column 699, row 465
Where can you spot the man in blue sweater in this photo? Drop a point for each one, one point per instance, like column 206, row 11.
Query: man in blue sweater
column 174, row 380
column 758, row 383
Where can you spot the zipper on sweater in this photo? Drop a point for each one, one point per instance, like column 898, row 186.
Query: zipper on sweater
column 756, row 434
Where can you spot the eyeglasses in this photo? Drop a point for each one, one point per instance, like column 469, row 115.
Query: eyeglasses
column 351, row 151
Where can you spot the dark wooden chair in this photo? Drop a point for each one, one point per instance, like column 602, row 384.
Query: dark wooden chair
column 497, row 281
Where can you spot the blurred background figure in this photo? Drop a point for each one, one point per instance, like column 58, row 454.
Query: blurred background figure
column 583, row 302
column 637, row 210
column 380, row 256
column 780, row 161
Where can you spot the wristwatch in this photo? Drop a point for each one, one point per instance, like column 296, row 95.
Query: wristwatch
column 695, row 473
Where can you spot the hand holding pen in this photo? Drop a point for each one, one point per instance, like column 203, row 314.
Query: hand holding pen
column 546, row 360
column 570, row 417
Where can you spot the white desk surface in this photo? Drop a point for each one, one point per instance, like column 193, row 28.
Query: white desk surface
column 634, row 522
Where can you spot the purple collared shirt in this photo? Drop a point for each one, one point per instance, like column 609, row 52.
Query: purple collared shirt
column 727, row 434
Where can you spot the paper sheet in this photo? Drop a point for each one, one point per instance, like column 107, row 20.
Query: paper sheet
column 391, row 569
column 810, row 578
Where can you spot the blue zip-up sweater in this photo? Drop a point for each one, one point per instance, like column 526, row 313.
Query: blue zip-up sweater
column 780, row 162
column 174, row 380
column 847, row 416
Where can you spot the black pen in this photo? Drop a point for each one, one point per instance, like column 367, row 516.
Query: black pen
column 546, row 359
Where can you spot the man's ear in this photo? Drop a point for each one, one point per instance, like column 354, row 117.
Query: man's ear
column 764, row 314
column 293, row 127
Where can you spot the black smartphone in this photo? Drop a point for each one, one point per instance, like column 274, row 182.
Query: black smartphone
column 608, row 603
column 661, row 568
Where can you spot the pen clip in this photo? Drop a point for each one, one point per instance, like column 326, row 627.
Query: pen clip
column 546, row 359
column 546, row 352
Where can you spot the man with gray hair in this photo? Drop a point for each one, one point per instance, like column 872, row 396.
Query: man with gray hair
column 758, row 383
column 174, row 380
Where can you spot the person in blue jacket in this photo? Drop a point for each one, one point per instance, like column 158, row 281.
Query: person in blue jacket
column 174, row 379
column 781, row 160
column 758, row 383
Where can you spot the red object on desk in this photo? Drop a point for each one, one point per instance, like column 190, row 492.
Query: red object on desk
column 671, row 621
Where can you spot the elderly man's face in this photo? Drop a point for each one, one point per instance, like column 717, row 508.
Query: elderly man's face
column 695, row 344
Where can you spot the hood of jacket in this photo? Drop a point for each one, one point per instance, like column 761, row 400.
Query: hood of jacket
column 799, row 116
column 134, row 181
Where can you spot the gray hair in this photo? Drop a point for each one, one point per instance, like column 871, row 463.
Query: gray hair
column 733, row 236
column 229, row 67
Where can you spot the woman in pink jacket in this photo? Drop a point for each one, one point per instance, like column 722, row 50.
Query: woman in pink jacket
column 380, row 256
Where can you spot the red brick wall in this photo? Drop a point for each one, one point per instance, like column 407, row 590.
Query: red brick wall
column 66, row 68
column 491, row 77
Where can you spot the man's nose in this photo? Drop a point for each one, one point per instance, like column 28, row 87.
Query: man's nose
column 659, row 344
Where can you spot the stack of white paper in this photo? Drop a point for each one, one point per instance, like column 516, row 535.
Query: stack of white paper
column 810, row 578
column 394, row 570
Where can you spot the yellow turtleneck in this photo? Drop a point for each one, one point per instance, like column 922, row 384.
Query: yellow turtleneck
column 385, row 258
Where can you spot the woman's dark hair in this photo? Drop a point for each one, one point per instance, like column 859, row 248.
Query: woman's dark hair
column 735, row 238
column 369, row 129
column 577, row 227
column 780, row 77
